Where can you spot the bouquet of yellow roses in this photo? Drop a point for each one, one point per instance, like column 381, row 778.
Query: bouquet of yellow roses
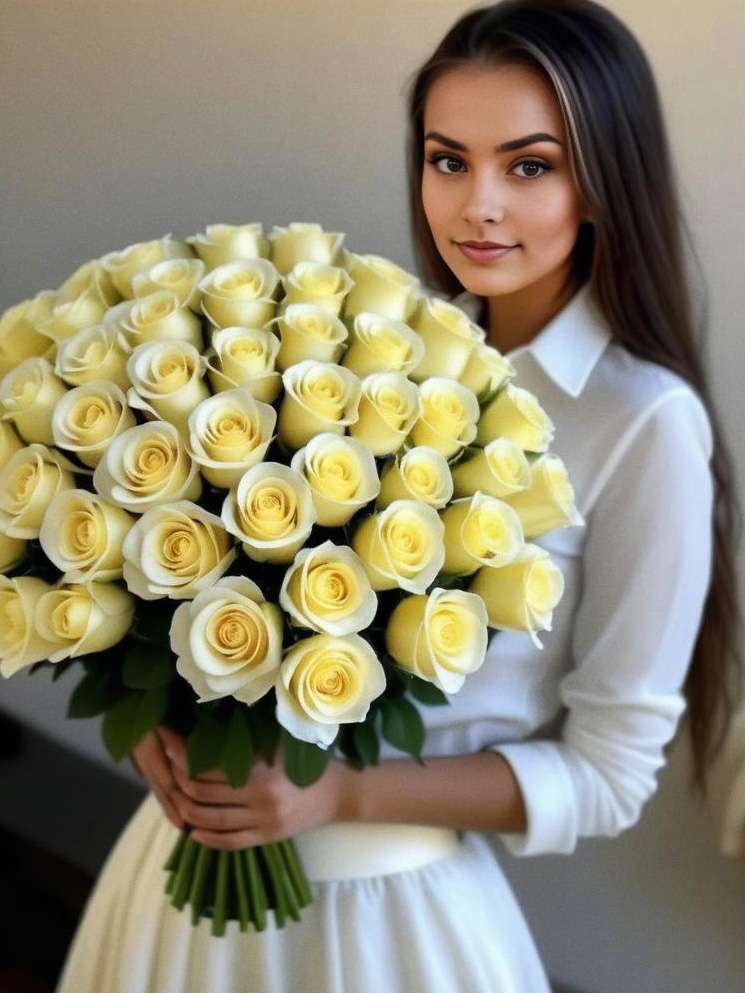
column 268, row 492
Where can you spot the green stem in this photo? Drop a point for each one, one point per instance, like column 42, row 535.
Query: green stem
column 182, row 884
column 292, row 897
column 221, row 894
column 296, row 872
column 280, row 901
column 256, row 889
column 172, row 861
column 198, row 885
column 241, row 889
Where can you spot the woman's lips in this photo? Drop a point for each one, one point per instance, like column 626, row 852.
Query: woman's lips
column 483, row 254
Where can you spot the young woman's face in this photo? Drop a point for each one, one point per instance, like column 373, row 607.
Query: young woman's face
column 475, row 191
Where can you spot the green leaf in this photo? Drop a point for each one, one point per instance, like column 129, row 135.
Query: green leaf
column 147, row 666
column 265, row 731
column 61, row 667
column 204, row 745
column 237, row 754
column 402, row 725
column 428, row 693
column 304, row 763
column 136, row 713
column 95, row 693
column 367, row 741
column 224, row 744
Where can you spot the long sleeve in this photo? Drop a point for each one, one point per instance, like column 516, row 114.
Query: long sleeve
column 647, row 568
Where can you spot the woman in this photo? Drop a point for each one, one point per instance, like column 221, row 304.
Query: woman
column 535, row 126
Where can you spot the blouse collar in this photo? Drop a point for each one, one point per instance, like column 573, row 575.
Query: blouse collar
column 569, row 346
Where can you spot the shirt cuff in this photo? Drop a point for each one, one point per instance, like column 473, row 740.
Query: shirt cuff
column 548, row 793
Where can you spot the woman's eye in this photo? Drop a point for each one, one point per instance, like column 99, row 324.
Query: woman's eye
column 531, row 165
column 436, row 159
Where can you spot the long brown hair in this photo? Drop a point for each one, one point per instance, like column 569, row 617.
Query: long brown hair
column 633, row 256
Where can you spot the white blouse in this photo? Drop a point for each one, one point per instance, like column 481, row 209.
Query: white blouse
column 583, row 721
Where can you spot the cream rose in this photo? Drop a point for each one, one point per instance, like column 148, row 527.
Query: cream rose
column 81, row 620
column 176, row 550
column 122, row 266
column 88, row 418
column 381, row 344
column 20, row 337
column 20, row 643
column 301, row 242
column 449, row 415
column 240, row 293
column 389, row 407
column 82, row 534
column 342, row 474
column 167, row 381
column 28, row 396
column 97, row 352
column 515, row 413
column 228, row 434
column 271, row 511
column 480, row 530
column 325, row 681
column 486, row 370
column 319, row 397
column 402, row 546
column 449, row 337
column 156, row 317
column 12, row 551
column 90, row 276
column 548, row 501
column 9, row 442
column 420, row 474
column 244, row 357
column 521, row 596
column 228, row 640
column 180, row 276
column 29, row 481
column 381, row 287
column 500, row 469
column 441, row 637
column 67, row 317
column 307, row 331
column 145, row 466
column 221, row 243
column 322, row 285
column 327, row 590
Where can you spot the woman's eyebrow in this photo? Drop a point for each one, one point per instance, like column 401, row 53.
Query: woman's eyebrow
column 508, row 146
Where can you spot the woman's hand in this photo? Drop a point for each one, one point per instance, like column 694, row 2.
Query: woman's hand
column 150, row 759
column 270, row 807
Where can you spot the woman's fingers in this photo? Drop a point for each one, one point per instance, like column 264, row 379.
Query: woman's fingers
column 175, row 749
column 232, row 841
column 215, row 818
column 204, row 790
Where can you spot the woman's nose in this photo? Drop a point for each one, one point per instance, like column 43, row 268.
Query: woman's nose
column 483, row 203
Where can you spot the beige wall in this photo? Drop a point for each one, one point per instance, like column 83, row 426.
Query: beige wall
column 123, row 120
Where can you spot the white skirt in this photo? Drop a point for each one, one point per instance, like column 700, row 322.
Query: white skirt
column 447, row 926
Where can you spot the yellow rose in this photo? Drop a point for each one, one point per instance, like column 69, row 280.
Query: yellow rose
column 322, row 285
column 308, row 332
column 486, row 370
column 389, row 406
column 145, row 466
column 548, row 502
column 244, row 357
column 223, row 243
column 180, row 276
column 87, row 418
column 20, row 643
column 122, row 266
column 521, row 596
column 157, row 317
column 12, row 551
column 449, row 415
column 89, row 277
column 381, row 287
column 176, row 550
column 500, row 469
column 402, row 546
column 20, row 337
column 167, row 381
column 97, row 352
column 29, row 481
column 420, row 474
column 28, row 395
column 381, row 344
column 228, row 640
column 515, row 413
column 327, row 590
column 300, row 242
column 70, row 316
column 228, row 434
column 319, row 397
column 81, row 620
column 325, row 681
column 271, row 511
column 449, row 337
column 82, row 534
column 240, row 293
column 441, row 637
column 480, row 530
column 342, row 476
column 9, row 442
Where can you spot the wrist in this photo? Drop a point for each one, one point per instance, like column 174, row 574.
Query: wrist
column 346, row 791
